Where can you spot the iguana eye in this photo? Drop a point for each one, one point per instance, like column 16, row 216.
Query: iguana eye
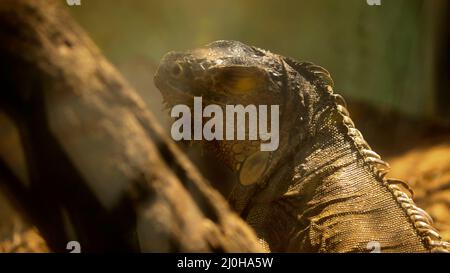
column 176, row 69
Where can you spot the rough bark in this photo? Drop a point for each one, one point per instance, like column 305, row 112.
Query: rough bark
column 101, row 169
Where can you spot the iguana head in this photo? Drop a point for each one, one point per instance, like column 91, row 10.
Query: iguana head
column 223, row 72
column 232, row 73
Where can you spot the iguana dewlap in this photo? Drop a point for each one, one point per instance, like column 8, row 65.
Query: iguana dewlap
column 323, row 189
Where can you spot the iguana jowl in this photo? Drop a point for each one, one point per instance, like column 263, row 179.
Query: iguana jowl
column 324, row 189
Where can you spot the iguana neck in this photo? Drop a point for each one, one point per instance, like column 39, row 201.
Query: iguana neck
column 335, row 182
column 299, row 120
column 323, row 156
column 310, row 162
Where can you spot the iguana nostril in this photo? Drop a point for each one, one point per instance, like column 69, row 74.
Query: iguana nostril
column 176, row 70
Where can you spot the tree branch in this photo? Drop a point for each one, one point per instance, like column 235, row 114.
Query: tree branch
column 103, row 169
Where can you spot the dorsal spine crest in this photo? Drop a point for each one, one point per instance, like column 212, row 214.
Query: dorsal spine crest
column 421, row 220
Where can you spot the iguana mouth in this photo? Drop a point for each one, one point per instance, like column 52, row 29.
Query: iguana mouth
column 172, row 95
column 175, row 93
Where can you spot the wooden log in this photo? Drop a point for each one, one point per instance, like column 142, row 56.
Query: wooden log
column 101, row 170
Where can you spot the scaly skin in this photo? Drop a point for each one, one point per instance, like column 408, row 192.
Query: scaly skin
column 323, row 189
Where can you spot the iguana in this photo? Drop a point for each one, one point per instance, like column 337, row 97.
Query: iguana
column 324, row 189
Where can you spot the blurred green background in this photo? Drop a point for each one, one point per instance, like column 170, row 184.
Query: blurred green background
column 384, row 55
